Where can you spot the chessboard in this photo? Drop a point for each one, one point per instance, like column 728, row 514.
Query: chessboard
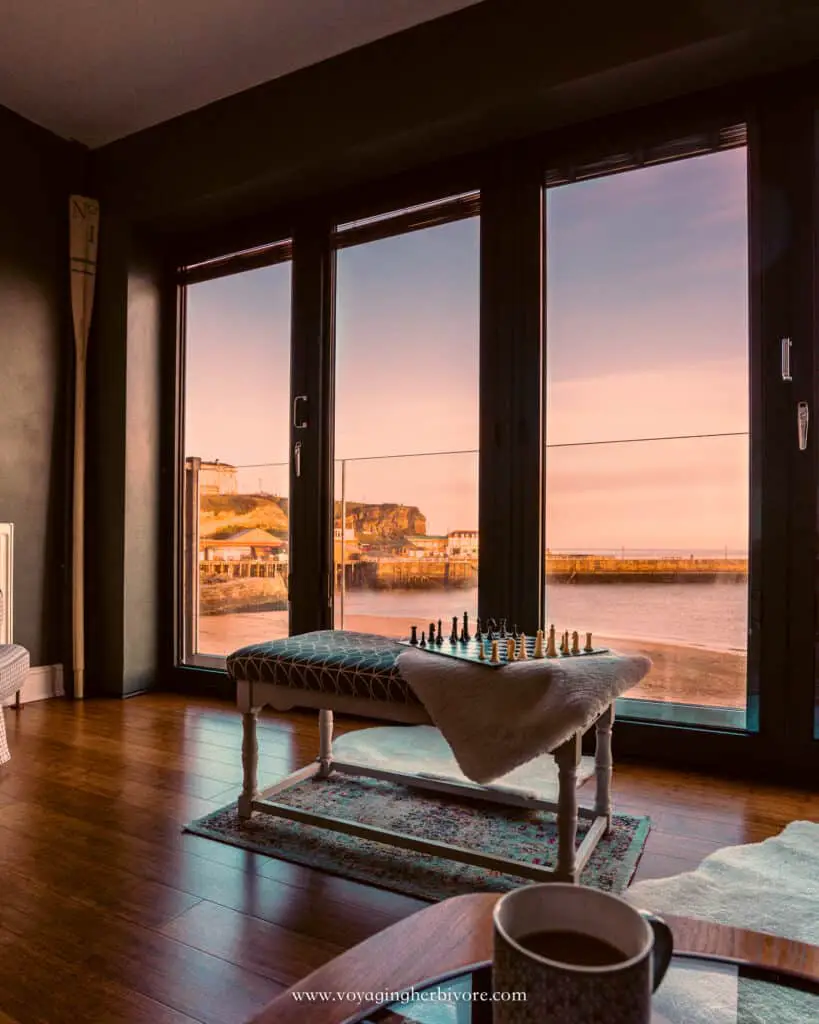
column 495, row 646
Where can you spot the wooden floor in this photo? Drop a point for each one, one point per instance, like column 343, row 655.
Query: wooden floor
column 109, row 913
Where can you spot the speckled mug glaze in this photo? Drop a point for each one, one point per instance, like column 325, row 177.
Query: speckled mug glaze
column 566, row 993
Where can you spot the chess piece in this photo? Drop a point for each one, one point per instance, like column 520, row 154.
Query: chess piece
column 575, row 642
column 510, row 649
column 467, row 637
column 494, row 657
column 431, row 633
column 564, row 643
column 423, row 642
column 515, row 633
column 481, row 653
column 588, row 648
column 538, row 652
column 439, row 639
column 503, row 629
column 414, row 635
column 478, row 630
column 453, row 636
column 551, row 650
column 523, row 654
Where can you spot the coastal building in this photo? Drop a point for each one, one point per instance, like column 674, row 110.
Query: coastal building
column 253, row 544
column 351, row 546
column 424, row 545
column 216, row 477
column 462, row 544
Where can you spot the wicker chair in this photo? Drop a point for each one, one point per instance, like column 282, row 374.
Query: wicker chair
column 14, row 665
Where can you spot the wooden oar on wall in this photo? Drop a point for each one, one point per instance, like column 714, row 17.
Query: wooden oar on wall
column 84, row 220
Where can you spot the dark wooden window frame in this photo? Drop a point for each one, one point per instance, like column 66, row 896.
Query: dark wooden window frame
column 779, row 115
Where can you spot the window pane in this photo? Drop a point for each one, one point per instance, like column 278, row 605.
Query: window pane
column 237, row 398
column 647, row 433
column 407, row 391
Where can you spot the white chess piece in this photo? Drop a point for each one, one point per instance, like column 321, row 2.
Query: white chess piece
column 538, row 652
column 522, row 654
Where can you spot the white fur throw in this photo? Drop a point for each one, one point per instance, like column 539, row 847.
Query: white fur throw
column 496, row 719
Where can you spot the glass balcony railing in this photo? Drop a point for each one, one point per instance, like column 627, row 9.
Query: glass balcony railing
column 406, row 553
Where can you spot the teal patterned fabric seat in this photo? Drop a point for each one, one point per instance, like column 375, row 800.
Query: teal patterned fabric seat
column 332, row 661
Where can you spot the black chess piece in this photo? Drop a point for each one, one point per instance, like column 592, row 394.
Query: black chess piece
column 439, row 640
column 515, row 633
column 490, row 633
column 453, row 636
column 503, row 629
column 466, row 628
column 431, row 633
column 440, row 632
column 478, row 630
column 413, row 635
column 423, row 642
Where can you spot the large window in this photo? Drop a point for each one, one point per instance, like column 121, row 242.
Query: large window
column 406, row 428
column 647, row 465
column 236, row 438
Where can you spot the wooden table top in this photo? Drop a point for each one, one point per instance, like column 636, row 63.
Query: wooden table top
column 457, row 933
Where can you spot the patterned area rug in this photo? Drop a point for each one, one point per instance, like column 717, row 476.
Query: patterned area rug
column 526, row 836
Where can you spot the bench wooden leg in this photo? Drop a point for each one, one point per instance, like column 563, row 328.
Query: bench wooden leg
column 325, row 743
column 603, row 765
column 250, row 763
column 567, row 757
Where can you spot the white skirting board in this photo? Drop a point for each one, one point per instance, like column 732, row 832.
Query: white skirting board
column 42, row 682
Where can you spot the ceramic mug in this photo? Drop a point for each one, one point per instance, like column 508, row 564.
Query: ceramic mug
column 616, row 992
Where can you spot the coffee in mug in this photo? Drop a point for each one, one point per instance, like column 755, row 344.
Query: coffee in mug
column 574, row 955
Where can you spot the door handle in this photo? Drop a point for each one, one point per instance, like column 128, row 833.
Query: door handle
column 296, row 424
column 802, row 421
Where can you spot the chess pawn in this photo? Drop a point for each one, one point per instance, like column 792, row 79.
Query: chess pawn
column 588, row 648
column 575, row 642
column 414, row 635
column 538, row 652
column 551, row 650
column 423, row 642
column 503, row 629
column 494, row 657
column 510, row 649
column 481, row 653
column 522, row 653
column 477, row 629
column 564, row 642
column 431, row 633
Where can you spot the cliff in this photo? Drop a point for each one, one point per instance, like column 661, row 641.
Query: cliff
column 386, row 522
column 223, row 514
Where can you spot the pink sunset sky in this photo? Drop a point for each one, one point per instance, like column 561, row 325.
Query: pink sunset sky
column 647, row 336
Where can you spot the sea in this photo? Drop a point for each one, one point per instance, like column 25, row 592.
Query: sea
column 710, row 615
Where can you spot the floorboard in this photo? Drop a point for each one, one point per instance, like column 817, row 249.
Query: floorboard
column 110, row 913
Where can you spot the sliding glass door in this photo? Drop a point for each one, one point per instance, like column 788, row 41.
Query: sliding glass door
column 647, row 430
column 237, row 465
column 406, row 419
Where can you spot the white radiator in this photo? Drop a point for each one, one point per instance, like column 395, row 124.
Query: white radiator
column 7, row 580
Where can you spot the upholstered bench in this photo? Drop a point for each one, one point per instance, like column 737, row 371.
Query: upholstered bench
column 359, row 674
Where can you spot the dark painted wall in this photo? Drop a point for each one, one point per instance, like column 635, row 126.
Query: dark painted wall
column 37, row 172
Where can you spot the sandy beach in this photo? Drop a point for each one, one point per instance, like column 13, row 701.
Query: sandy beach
column 683, row 673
